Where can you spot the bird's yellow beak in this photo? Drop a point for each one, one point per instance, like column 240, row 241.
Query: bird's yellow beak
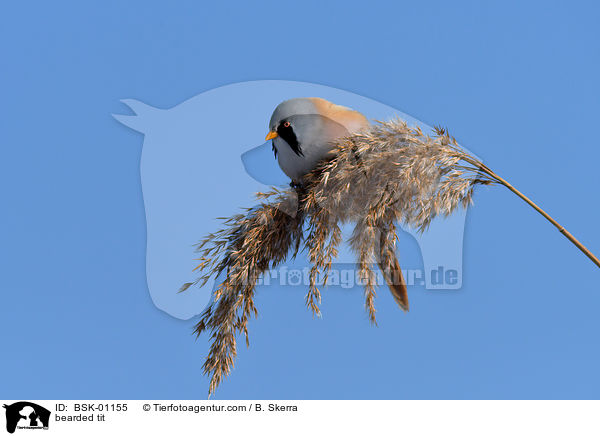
column 271, row 135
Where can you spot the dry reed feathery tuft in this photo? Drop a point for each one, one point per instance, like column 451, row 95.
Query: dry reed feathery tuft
column 390, row 174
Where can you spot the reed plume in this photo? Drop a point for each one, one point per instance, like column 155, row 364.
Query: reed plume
column 390, row 174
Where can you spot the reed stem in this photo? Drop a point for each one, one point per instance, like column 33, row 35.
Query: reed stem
column 527, row 200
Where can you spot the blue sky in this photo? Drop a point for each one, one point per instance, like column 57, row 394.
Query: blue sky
column 516, row 83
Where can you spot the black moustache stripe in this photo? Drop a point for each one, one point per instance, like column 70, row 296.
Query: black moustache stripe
column 288, row 135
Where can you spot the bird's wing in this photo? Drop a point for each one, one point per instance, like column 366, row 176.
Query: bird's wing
column 390, row 268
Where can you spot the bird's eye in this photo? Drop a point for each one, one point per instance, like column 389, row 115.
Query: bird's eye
column 286, row 124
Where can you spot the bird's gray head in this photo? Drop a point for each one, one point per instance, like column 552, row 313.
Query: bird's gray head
column 288, row 108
